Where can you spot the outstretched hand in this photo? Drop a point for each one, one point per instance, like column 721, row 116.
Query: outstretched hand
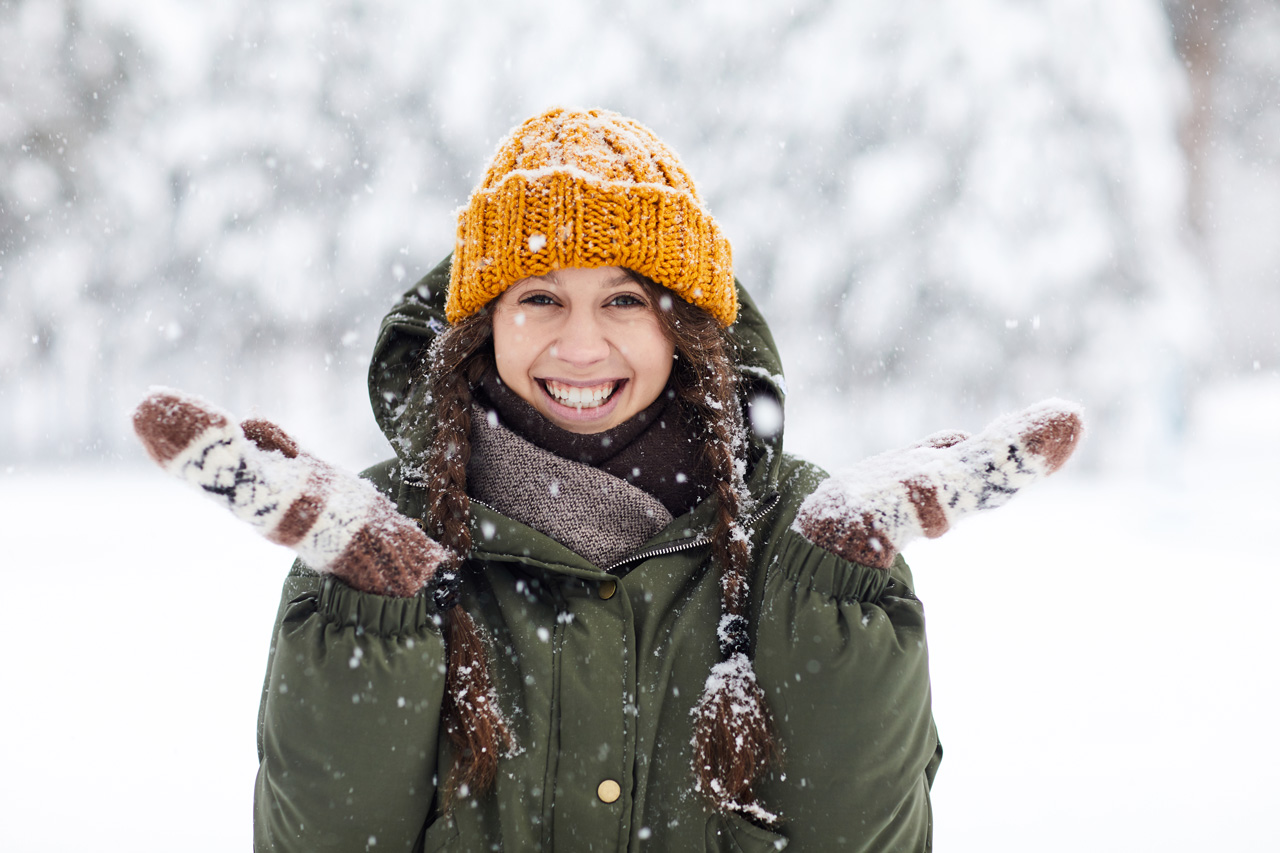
column 871, row 512
column 336, row 522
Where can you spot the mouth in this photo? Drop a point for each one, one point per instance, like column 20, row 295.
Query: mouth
column 581, row 397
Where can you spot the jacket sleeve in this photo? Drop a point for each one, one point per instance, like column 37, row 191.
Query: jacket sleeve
column 841, row 655
column 349, row 720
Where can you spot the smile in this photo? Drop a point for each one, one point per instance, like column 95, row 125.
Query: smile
column 581, row 396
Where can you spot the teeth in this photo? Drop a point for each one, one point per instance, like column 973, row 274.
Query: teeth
column 578, row 396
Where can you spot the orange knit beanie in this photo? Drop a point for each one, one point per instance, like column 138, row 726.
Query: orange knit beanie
column 588, row 189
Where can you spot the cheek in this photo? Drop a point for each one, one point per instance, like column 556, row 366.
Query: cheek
column 654, row 361
column 511, row 346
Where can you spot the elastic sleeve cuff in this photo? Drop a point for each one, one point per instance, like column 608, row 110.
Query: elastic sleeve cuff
column 811, row 567
column 381, row 615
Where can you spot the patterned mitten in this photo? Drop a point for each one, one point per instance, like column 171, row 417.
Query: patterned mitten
column 871, row 512
column 335, row 521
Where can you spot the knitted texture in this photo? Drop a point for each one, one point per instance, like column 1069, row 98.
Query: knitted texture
column 588, row 189
column 590, row 511
column 871, row 512
column 336, row 522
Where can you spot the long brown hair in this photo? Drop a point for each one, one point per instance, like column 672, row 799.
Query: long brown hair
column 731, row 749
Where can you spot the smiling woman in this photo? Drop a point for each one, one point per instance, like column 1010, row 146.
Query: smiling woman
column 590, row 602
column 585, row 347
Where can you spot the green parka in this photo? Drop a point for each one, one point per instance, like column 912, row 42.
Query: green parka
column 598, row 673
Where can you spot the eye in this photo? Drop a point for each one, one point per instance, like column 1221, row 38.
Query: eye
column 626, row 300
column 537, row 299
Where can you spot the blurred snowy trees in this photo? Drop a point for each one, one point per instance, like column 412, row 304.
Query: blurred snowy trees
column 981, row 204
column 62, row 79
column 948, row 209
column 1232, row 54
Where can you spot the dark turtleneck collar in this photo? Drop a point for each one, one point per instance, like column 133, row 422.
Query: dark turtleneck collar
column 656, row 450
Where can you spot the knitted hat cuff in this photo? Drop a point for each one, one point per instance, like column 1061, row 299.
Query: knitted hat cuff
column 533, row 223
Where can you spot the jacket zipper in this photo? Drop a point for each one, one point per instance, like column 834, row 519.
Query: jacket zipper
column 771, row 501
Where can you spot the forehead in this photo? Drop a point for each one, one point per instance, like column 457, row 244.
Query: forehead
column 570, row 278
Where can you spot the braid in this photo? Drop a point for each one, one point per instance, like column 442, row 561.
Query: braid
column 734, row 737
column 472, row 719
column 447, row 503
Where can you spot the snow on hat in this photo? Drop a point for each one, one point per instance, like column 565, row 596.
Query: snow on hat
column 571, row 188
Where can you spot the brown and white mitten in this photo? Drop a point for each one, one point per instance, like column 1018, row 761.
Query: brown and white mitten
column 335, row 521
column 872, row 511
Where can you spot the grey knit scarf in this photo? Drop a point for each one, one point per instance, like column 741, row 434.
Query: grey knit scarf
column 591, row 512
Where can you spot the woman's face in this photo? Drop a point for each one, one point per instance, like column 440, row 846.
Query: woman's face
column 582, row 346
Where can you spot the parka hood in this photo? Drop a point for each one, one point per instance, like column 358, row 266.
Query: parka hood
column 411, row 326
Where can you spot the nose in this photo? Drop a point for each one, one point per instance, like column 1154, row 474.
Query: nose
column 582, row 341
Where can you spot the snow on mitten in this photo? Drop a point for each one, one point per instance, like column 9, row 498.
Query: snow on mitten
column 872, row 511
column 337, row 522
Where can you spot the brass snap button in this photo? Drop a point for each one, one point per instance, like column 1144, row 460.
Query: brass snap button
column 609, row 791
column 607, row 589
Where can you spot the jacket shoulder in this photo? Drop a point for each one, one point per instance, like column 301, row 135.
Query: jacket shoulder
column 385, row 477
column 797, row 478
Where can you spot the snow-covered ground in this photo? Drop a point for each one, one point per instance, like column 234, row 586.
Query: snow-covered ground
column 1104, row 657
